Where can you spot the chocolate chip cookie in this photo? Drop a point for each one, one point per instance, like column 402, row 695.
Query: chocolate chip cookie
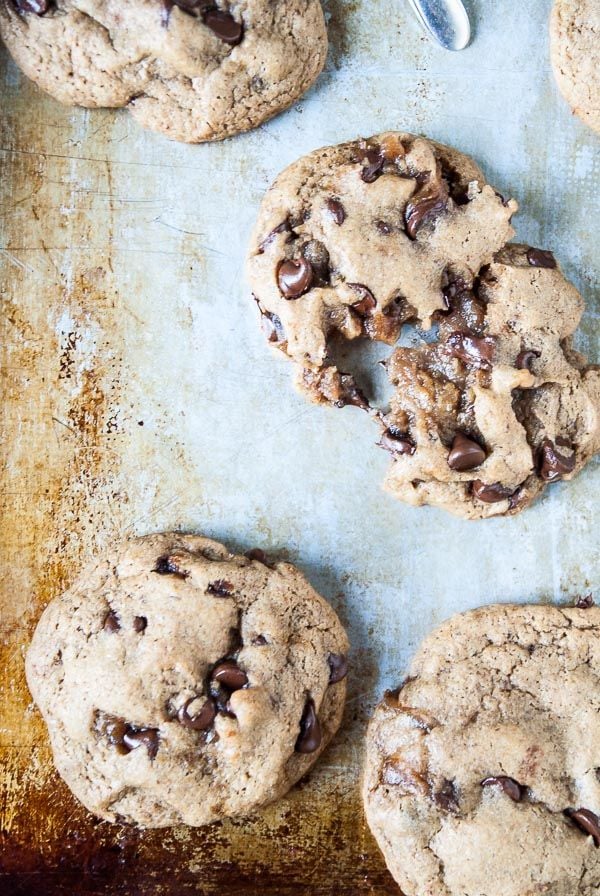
column 183, row 684
column 482, row 769
column 575, row 54
column 192, row 69
column 357, row 239
column 498, row 406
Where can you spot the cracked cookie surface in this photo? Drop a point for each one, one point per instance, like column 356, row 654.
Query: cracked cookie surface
column 357, row 239
column 575, row 55
column 482, row 771
column 183, row 684
column 499, row 405
column 192, row 70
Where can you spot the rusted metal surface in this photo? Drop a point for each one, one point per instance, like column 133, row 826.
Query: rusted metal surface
column 139, row 395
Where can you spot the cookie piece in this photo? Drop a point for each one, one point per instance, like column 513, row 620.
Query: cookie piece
column 499, row 405
column 354, row 240
column 482, row 769
column 183, row 684
column 192, row 70
column 575, row 55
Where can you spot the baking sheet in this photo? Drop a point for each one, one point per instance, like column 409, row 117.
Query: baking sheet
column 139, row 395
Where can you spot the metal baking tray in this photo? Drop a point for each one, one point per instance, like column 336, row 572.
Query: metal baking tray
column 138, row 394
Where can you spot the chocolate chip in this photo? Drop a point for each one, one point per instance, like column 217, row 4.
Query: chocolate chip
column 472, row 350
column 453, row 289
column 138, row 737
column 447, row 797
column 111, row 622
column 229, row 674
column 465, row 454
column 375, row 161
column 526, row 358
column 540, row 258
column 424, row 205
column 396, row 441
column 338, row 667
column 366, row 303
column 37, row 7
column 294, row 278
column 220, row 588
column 259, row 641
column 199, row 720
column 281, row 228
column 585, row 602
column 516, row 497
column 336, row 210
column 511, row 788
column 310, row 736
column 350, row 394
column 167, row 566
column 223, row 25
column 551, row 464
column 587, row 821
column 382, row 227
column 260, row 557
column 491, row 494
column 139, row 623
column 272, row 326
column 114, row 729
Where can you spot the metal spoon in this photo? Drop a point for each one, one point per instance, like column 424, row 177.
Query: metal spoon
column 446, row 20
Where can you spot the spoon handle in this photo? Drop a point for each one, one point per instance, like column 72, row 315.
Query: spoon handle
column 446, row 20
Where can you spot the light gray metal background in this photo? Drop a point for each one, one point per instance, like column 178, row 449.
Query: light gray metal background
column 140, row 395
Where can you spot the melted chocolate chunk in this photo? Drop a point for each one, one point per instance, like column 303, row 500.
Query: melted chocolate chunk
column 511, row 788
column 384, row 228
column 585, row 602
column 139, row 624
column 350, row 394
column 426, row 203
column 336, row 210
column 167, row 566
column 111, row 622
column 375, row 161
column 478, row 352
column 37, row 7
column 281, row 228
column 126, row 737
column 310, row 736
column 491, row 494
column 141, row 737
column 447, row 797
column 526, row 358
column 367, row 303
column 587, row 821
column 199, row 719
column 552, row 465
column 396, row 441
column 465, row 454
column 294, row 278
column 220, row 588
column 259, row 555
column 540, row 258
column 229, row 675
column 223, row 25
column 338, row 667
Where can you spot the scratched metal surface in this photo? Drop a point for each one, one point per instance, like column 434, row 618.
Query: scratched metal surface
column 139, row 395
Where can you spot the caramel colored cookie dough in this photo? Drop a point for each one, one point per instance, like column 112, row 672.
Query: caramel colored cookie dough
column 498, row 406
column 354, row 240
column 192, row 70
column 183, row 684
column 482, row 768
column 575, row 54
